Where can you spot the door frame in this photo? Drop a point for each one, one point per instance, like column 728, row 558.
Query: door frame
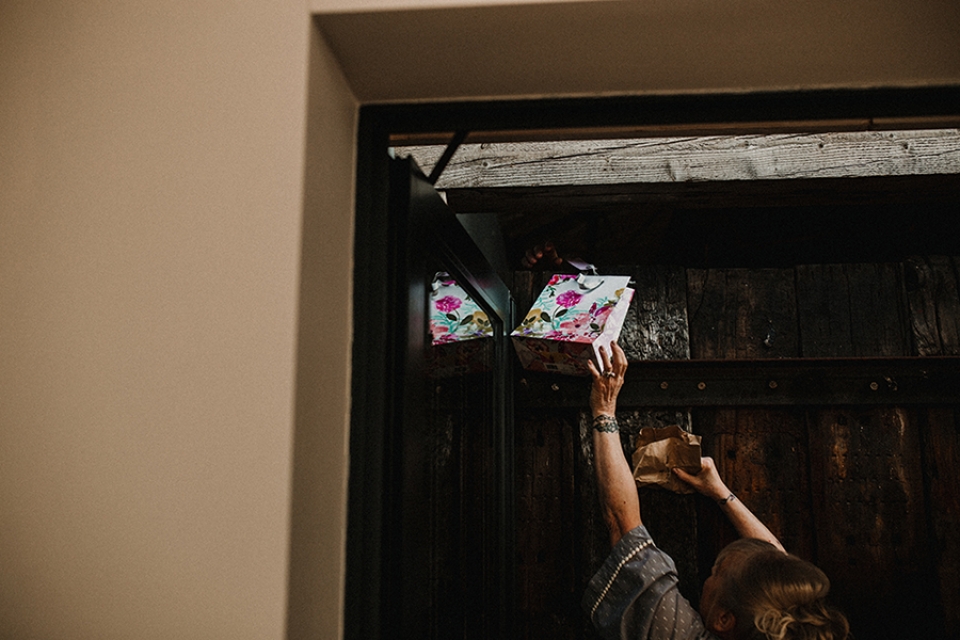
column 374, row 384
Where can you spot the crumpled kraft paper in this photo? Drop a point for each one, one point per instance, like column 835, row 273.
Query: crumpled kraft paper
column 660, row 450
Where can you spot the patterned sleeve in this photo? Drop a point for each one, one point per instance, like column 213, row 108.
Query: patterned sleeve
column 634, row 595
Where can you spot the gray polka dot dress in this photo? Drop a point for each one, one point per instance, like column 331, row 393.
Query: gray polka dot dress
column 634, row 595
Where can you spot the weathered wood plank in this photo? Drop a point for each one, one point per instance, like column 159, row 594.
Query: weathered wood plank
column 656, row 325
column 878, row 318
column 932, row 290
column 941, row 462
column 935, row 317
column 746, row 314
column 851, row 310
column 868, row 499
column 762, row 455
column 549, row 588
column 407, row 139
column 696, row 158
column 742, row 313
column 823, row 306
column 657, row 329
column 868, row 513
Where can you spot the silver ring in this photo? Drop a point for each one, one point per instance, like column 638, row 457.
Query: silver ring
column 609, row 374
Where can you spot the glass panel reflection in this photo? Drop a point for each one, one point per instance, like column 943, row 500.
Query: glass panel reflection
column 460, row 330
column 460, row 463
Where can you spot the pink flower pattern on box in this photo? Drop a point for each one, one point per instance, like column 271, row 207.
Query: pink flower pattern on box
column 556, row 315
column 454, row 315
column 448, row 303
column 568, row 299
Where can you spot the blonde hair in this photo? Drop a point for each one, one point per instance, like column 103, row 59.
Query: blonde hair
column 776, row 596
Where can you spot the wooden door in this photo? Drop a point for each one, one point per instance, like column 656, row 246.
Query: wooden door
column 828, row 396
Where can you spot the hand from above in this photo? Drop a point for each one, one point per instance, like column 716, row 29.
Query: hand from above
column 544, row 256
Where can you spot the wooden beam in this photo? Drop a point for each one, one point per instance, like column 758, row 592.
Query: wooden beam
column 851, row 154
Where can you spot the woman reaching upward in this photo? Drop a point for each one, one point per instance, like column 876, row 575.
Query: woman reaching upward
column 756, row 590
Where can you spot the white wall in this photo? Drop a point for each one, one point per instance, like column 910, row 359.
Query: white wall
column 318, row 541
column 151, row 210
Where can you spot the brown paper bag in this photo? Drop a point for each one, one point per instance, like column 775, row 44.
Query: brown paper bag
column 660, row 450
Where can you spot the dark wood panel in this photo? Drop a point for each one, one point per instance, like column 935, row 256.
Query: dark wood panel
column 742, row 313
column 931, row 285
column 853, row 310
column 941, row 462
column 656, row 325
column 870, row 520
column 457, row 519
column 747, row 314
column 594, row 540
column 932, row 290
column 762, row 455
column 549, row 588
column 868, row 509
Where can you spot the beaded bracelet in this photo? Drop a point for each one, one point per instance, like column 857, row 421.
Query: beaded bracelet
column 605, row 424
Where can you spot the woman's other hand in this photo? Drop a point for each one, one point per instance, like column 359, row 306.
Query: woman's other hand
column 707, row 482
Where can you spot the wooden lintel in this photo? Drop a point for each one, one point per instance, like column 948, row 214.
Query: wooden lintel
column 783, row 382
column 691, row 159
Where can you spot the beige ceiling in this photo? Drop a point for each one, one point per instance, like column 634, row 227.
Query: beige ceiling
column 648, row 46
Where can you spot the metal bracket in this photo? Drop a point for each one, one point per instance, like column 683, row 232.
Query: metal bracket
column 447, row 155
column 774, row 382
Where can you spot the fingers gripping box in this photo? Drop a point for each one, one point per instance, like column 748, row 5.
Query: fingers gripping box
column 572, row 317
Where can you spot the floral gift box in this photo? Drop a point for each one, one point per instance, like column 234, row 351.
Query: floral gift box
column 572, row 317
column 460, row 331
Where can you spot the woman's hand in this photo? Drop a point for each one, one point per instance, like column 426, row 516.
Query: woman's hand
column 707, row 482
column 607, row 383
